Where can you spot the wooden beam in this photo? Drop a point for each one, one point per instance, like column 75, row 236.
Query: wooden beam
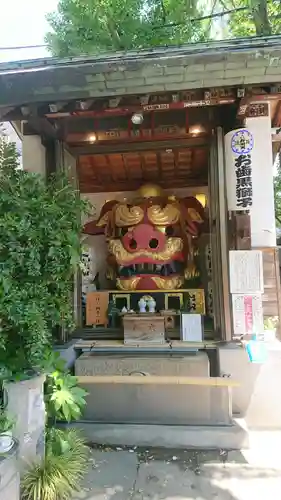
column 111, row 171
column 86, row 186
column 176, row 159
column 42, row 127
column 126, row 168
column 157, row 380
column 276, row 117
column 158, row 165
column 95, row 171
column 92, row 345
column 142, row 163
column 94, row 149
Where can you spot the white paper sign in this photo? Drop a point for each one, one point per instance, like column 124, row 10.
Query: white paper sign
column 238, row 159
column 246, row 271
column 191, row 327
column 247, row 314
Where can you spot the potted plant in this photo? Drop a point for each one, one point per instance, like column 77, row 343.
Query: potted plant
column 65, row 461
column 59, row 474
column 6, row 427
column 40, row 225
column 270, row 325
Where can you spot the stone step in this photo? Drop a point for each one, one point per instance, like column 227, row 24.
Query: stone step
column 233, row 437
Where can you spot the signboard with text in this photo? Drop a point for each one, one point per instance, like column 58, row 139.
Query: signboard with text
column 238, row 155
column 246, row 271
column 247, row 314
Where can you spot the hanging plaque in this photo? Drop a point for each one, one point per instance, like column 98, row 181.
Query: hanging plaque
column 238, row 158
column 246, row 271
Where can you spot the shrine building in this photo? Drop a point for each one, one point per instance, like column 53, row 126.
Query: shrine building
column 175, row 148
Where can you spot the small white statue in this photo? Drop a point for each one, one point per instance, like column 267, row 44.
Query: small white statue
column 151, row 305
column 124, row 310
column 142, row 305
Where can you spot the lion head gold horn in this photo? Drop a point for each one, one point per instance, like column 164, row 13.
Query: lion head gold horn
column 159, row 216
column 105, row 211
column 193, row 214
column 126, row 215
column 96, row 227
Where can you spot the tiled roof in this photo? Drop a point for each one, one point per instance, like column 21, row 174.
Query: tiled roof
column 226, row 63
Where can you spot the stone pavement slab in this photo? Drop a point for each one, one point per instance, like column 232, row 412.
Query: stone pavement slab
column 111, row 475
column 158, row 474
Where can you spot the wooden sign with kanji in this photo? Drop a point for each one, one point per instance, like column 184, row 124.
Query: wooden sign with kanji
column 96, row 308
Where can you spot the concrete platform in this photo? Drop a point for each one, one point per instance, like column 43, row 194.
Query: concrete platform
column 155, row 404
column 232, row 437
column 256, row 399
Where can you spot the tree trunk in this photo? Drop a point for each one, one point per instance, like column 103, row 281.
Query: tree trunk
column 260, row 17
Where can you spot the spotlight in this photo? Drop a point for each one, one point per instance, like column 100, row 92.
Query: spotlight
column 92, row 138
column 137, row 119
column 196, row 129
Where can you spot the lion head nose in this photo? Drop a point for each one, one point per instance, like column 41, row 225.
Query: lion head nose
column 144, row 237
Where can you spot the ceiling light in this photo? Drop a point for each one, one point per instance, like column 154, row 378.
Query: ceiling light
column 92, row 138
column 137, row 118
column 196, row 129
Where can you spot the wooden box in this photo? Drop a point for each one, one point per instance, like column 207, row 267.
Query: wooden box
column 144, row 328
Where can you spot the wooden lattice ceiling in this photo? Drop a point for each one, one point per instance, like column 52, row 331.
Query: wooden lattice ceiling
column 176, row 167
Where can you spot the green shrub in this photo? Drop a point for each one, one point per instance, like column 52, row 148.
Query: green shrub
column 64, row 400
column 40, row 224
column 6, row 423
column 60, row 473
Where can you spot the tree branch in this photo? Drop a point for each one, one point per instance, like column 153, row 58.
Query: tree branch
column 202, row 18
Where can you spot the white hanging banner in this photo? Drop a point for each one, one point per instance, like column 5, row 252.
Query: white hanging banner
column 238, row 158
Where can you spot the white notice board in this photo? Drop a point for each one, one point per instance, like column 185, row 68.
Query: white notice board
column 191, row 327
column 246, row 271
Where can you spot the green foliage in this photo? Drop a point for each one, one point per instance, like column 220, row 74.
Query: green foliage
column 59, row 475
column 63, row 398
column 88, row 26
column 262, row 18
column 271, row 323
column 39, row 252
column 6, row 423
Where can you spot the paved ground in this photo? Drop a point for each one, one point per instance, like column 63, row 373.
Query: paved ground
column 154, row 474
